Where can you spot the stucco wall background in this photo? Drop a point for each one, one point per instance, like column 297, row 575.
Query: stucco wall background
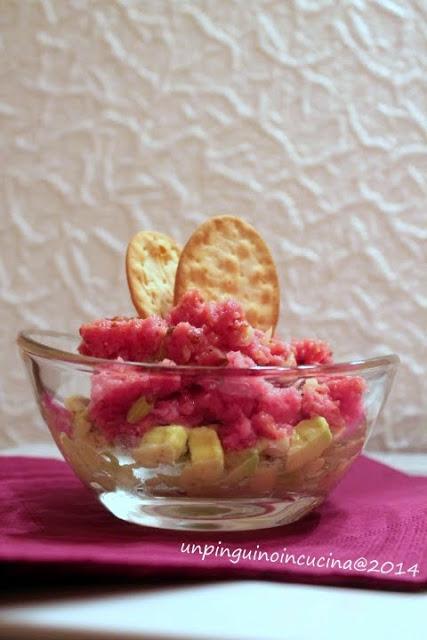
column 306, row 117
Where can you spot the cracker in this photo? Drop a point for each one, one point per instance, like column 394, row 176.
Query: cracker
column 226, row 258
column 151, row 262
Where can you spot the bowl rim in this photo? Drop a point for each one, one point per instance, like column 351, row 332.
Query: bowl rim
column 31, row 346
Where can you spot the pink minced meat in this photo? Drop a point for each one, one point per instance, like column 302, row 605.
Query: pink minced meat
column 337, row 399
column 132, row 339
column 347, row 393
column 116, row 388
column 195, row 332
column 216, row 334
column 311, row 352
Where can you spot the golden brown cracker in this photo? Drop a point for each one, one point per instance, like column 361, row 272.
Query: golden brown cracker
column 226, row 257
column 151, row 262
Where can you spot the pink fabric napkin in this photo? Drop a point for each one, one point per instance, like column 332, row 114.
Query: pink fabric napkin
column 371, row 532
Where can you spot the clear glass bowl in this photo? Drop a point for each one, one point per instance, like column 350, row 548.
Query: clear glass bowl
column 184, row 472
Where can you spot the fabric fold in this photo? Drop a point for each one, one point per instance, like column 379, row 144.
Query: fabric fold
column 371, row 532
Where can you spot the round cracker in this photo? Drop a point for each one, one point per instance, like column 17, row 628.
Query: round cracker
column 151, row 262
column 226, row 258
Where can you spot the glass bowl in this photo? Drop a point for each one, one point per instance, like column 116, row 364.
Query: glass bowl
column 199, row 448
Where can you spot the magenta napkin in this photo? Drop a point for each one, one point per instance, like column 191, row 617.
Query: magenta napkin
column 372, row 532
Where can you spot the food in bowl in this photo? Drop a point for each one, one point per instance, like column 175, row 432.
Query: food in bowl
column 196, row 417
column 221, row 431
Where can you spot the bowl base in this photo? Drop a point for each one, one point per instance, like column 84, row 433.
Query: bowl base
column 197, row 514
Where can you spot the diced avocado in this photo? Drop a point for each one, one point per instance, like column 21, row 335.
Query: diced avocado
column 309, row 439
column 242, row 464
column 207, row 456
column 161, row 445
column 77, row 457
column 206, row 468
column 234, row 459
column 139, row 410
column 76, row 404
column 82, row 425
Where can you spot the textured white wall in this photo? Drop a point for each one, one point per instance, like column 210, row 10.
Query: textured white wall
column 305, row 117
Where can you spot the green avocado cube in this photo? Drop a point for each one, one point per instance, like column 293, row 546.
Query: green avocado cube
column 242, row 464
column 139, row 410
column 206, row 465
column 206, row 453
column 161, row 445
column 309, row 440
